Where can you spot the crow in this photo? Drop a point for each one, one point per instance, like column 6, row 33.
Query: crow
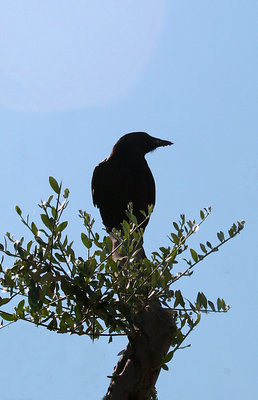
column 125, row 177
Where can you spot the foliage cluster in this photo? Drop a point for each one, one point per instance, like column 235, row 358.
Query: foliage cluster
column 49, row 285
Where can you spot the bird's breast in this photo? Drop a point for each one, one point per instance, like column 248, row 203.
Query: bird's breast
column 137, row 184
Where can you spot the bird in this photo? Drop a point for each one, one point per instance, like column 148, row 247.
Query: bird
column 125, row 177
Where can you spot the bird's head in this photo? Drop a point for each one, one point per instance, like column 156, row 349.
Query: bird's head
column 138, row 143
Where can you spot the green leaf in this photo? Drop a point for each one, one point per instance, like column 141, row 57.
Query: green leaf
column 53, row 212
column 46, row 221
column 176, row 226
column 194, row 255
column 220, row 236
column 165, row 367
column 18, row 210
column 52, row 325
column 20, row 251
column 175, row 238
column 202, row 214
column 168, row 357
column 68, row 320
column 223, row 305
column 66, row 193
column 34, row 229
column 59, row 257
column 20, row 305
column 108, row 243
column 132, row 218
column 201, row 299
column 219, row 305
column 4, row 301
column 102, row 255
column 126, row 228
column 62, row 226
column 34, row 297
column 54, row 184
column 86, row 240
column 7, row 317
column 211, row 305
column 192, row 306
column 179, row 299
column 50, row 199
column 63, row 326
column 203, row 248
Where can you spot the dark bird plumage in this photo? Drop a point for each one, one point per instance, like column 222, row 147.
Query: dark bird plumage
column 125, row 177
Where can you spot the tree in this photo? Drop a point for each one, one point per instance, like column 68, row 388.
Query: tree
column 50, row 286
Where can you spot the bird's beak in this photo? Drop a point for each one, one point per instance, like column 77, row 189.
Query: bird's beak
column 160, row 142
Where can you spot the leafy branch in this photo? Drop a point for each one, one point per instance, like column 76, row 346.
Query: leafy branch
column 50, row 286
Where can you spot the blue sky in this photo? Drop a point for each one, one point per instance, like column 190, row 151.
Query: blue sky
column 74, row 77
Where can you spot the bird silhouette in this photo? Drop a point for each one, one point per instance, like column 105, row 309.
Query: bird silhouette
column 125, row 177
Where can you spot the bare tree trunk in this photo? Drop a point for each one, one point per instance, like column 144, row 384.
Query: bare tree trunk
column 138, row 369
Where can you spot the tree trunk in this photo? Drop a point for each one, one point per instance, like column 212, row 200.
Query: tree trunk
column 138, row 369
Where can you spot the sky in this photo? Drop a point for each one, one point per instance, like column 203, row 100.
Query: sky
column 74, row 77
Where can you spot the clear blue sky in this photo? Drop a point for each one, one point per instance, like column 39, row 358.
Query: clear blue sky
column 74, row 77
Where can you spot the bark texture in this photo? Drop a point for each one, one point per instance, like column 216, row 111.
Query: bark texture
column 138, row 369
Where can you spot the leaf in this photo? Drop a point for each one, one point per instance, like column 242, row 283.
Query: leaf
column 201, row 299
column 175, row 238
column 50, row 199
column 20, row 251
column 66, row 193
column 202, row 214
column 53, row 212
column 211, row 305
column 223, row 305
column 108, row 242
column 34, row 297
column 194, row 255
column 53, row 183
column 7, row 317
column 59, row 257
column 203, row 248
column 86, row 240
column 4, row 301
column 176, row 226
column 62, row 226
column 179, row 299
column 68, row 319
column 168, row 357
column 52, row 325
column 46, row 221
column 34, row 229
column 126, row 228
column 219, row 305
column 18, row 210
column 182, row 216
column 220, row 236
column 192, row 306
column 20, row 306
column 131, row 216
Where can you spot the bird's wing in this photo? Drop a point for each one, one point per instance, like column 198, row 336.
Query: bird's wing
column 97, row 183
